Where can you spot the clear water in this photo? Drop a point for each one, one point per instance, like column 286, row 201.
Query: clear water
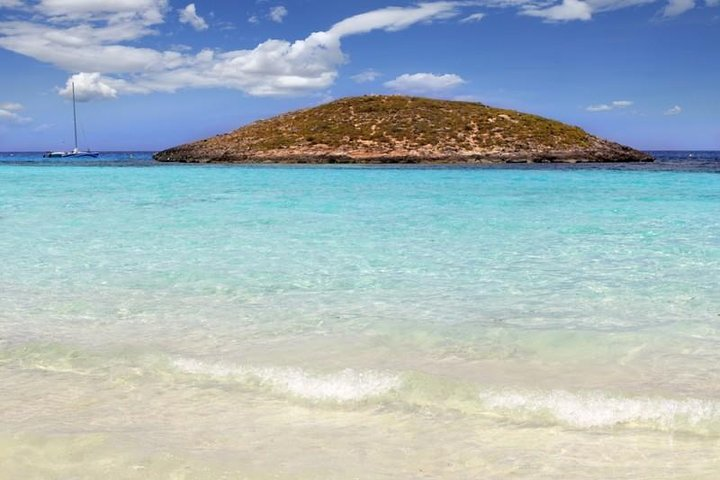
column 246, row 322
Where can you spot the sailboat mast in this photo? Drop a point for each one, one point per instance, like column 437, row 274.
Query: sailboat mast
column 74, row 116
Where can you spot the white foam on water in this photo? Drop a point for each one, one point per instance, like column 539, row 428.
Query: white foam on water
column 598, row 409
column 345, row 385
column 587, row 410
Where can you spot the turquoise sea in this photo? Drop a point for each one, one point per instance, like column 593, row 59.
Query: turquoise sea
column 206, row 322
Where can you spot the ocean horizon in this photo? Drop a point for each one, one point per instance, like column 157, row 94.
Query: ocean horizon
column 223, row 321
column 665, row 160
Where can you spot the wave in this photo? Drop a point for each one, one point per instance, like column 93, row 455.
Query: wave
column 415, row 391
column 599, row 409
column 584, row 410
column 346, row 385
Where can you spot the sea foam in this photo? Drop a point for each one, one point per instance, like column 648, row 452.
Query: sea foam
column 586, row 410
column 343, row 386
column 599, row 409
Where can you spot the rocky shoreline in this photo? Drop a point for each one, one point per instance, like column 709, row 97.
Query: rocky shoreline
column 178, row 156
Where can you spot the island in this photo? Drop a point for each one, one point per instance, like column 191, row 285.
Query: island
column 393, row 129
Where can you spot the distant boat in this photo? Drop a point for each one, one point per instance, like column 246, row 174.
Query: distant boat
column 75, row 152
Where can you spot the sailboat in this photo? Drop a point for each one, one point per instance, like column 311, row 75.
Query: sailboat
column 75, row 152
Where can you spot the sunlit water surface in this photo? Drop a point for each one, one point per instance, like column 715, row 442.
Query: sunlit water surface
column 329, row 323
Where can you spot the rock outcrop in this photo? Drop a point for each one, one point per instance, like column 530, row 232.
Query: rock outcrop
column 398, row 129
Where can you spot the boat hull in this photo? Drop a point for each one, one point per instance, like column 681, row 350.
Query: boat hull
column 71, row 154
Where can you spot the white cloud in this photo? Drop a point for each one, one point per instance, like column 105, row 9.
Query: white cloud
column 146, row 11
column 392, row 19
column 11, row 106
column 424, row 82
column 677, row 7
column 100, row 39
column 9, row 113
column 278, row 14
column 566, row 11
column 88, row 86
column 605, row 107
column 6, row 115
column 366, row 76
column 10, row 3
column 599, row 6
column 82, row 49
column 189, row 15
column 676, row 110
column 275, row 67
column 712, row 3
column 254, row 19
column 76, row 37
column 599, row 108
column 475, row 17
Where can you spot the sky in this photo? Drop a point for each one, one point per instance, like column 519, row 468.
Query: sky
column 150, row 74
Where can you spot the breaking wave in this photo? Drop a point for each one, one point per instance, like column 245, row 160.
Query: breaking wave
column 346, row 385
column 598, row 409
column 585, row 410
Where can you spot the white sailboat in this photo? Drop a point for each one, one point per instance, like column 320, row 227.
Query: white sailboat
column 75, row 152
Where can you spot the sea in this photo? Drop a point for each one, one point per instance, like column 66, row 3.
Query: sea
column 169, row 321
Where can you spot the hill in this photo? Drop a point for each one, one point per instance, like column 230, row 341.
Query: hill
column 399, row 129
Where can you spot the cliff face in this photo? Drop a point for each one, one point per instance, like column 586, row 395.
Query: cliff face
column 396, row 129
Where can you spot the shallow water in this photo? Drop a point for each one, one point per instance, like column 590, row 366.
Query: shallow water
column 224, row 322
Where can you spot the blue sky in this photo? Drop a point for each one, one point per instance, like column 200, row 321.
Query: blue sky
column 154, row 73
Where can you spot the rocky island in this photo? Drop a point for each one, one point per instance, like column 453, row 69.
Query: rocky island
column 399, row 129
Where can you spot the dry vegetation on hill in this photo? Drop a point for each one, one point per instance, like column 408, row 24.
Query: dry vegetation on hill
column 398, row 129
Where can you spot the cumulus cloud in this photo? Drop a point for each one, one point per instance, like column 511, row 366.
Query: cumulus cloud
column 189, row 15
column 566, row 11
column 606, row 107
column 424, row 82
column 87, row 35
column 366, row 76
column 88, row 86
column 9, row 113
column 676, row 110
column 102, row 41
column 475, row 17
column 109, row 67
column 278, row 14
